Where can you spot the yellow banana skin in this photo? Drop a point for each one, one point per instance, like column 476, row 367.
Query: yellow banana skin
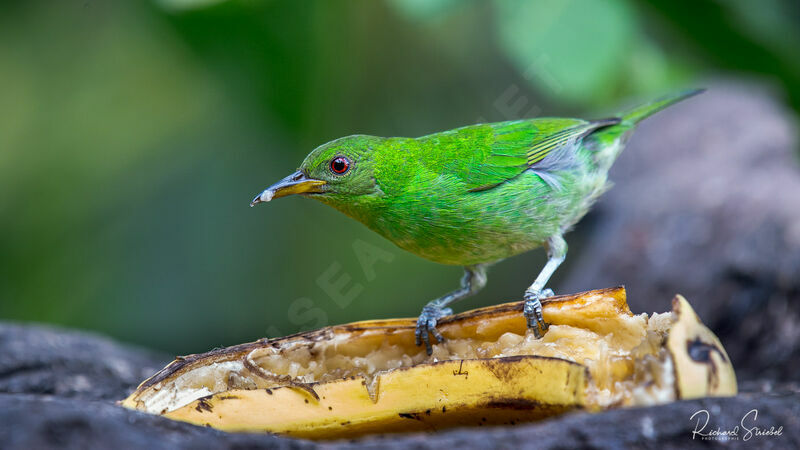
column 427, row 397
column 369, row 377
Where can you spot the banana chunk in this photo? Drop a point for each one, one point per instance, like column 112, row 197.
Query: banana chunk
column 369, row 377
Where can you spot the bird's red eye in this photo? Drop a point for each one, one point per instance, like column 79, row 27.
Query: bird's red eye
column 340, row 165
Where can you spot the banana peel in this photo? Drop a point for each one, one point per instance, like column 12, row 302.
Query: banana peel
column 369, row 377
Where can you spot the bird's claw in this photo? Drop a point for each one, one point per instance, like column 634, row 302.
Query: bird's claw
column 426, row 326
column 533, row 311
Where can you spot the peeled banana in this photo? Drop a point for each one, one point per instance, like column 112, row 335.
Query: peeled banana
column 369, row 377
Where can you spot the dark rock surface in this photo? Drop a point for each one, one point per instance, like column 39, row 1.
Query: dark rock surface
column 40, row 359
column 706, row 203
column 36, row 421
column 45, row 422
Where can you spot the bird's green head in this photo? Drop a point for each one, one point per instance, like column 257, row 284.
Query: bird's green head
column 336, row 173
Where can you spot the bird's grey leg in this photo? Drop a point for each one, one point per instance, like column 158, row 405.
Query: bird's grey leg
column 556, row 248
column 474, row 280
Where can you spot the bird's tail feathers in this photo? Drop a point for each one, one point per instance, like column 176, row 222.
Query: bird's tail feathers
column 642, row 112
column 607, row 142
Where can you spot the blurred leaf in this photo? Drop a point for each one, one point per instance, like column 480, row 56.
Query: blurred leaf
column 732, row 36
column 422, row 10
column 772, row 22
column 179, row 5
column 648, row 71
column 573, row 50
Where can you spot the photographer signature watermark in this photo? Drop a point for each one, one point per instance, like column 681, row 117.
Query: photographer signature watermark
column 745, row 430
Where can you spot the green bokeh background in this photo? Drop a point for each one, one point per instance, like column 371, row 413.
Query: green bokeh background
column 133, row 135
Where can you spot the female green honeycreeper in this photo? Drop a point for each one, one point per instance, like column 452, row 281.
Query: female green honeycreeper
column 474, row 195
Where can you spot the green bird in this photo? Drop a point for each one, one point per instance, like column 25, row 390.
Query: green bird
column 474, row 195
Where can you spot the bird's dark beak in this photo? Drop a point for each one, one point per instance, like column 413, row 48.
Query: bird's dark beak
column 296, row 183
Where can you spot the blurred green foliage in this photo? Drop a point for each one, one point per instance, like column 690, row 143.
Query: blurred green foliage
column 133, row 135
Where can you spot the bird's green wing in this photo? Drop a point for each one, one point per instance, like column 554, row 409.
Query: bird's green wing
column 509, row 148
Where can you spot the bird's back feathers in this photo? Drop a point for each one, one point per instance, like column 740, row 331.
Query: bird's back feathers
column 487, row 155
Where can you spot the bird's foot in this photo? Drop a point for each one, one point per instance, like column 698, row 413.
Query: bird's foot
column 426, row 325
column 533, row 311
